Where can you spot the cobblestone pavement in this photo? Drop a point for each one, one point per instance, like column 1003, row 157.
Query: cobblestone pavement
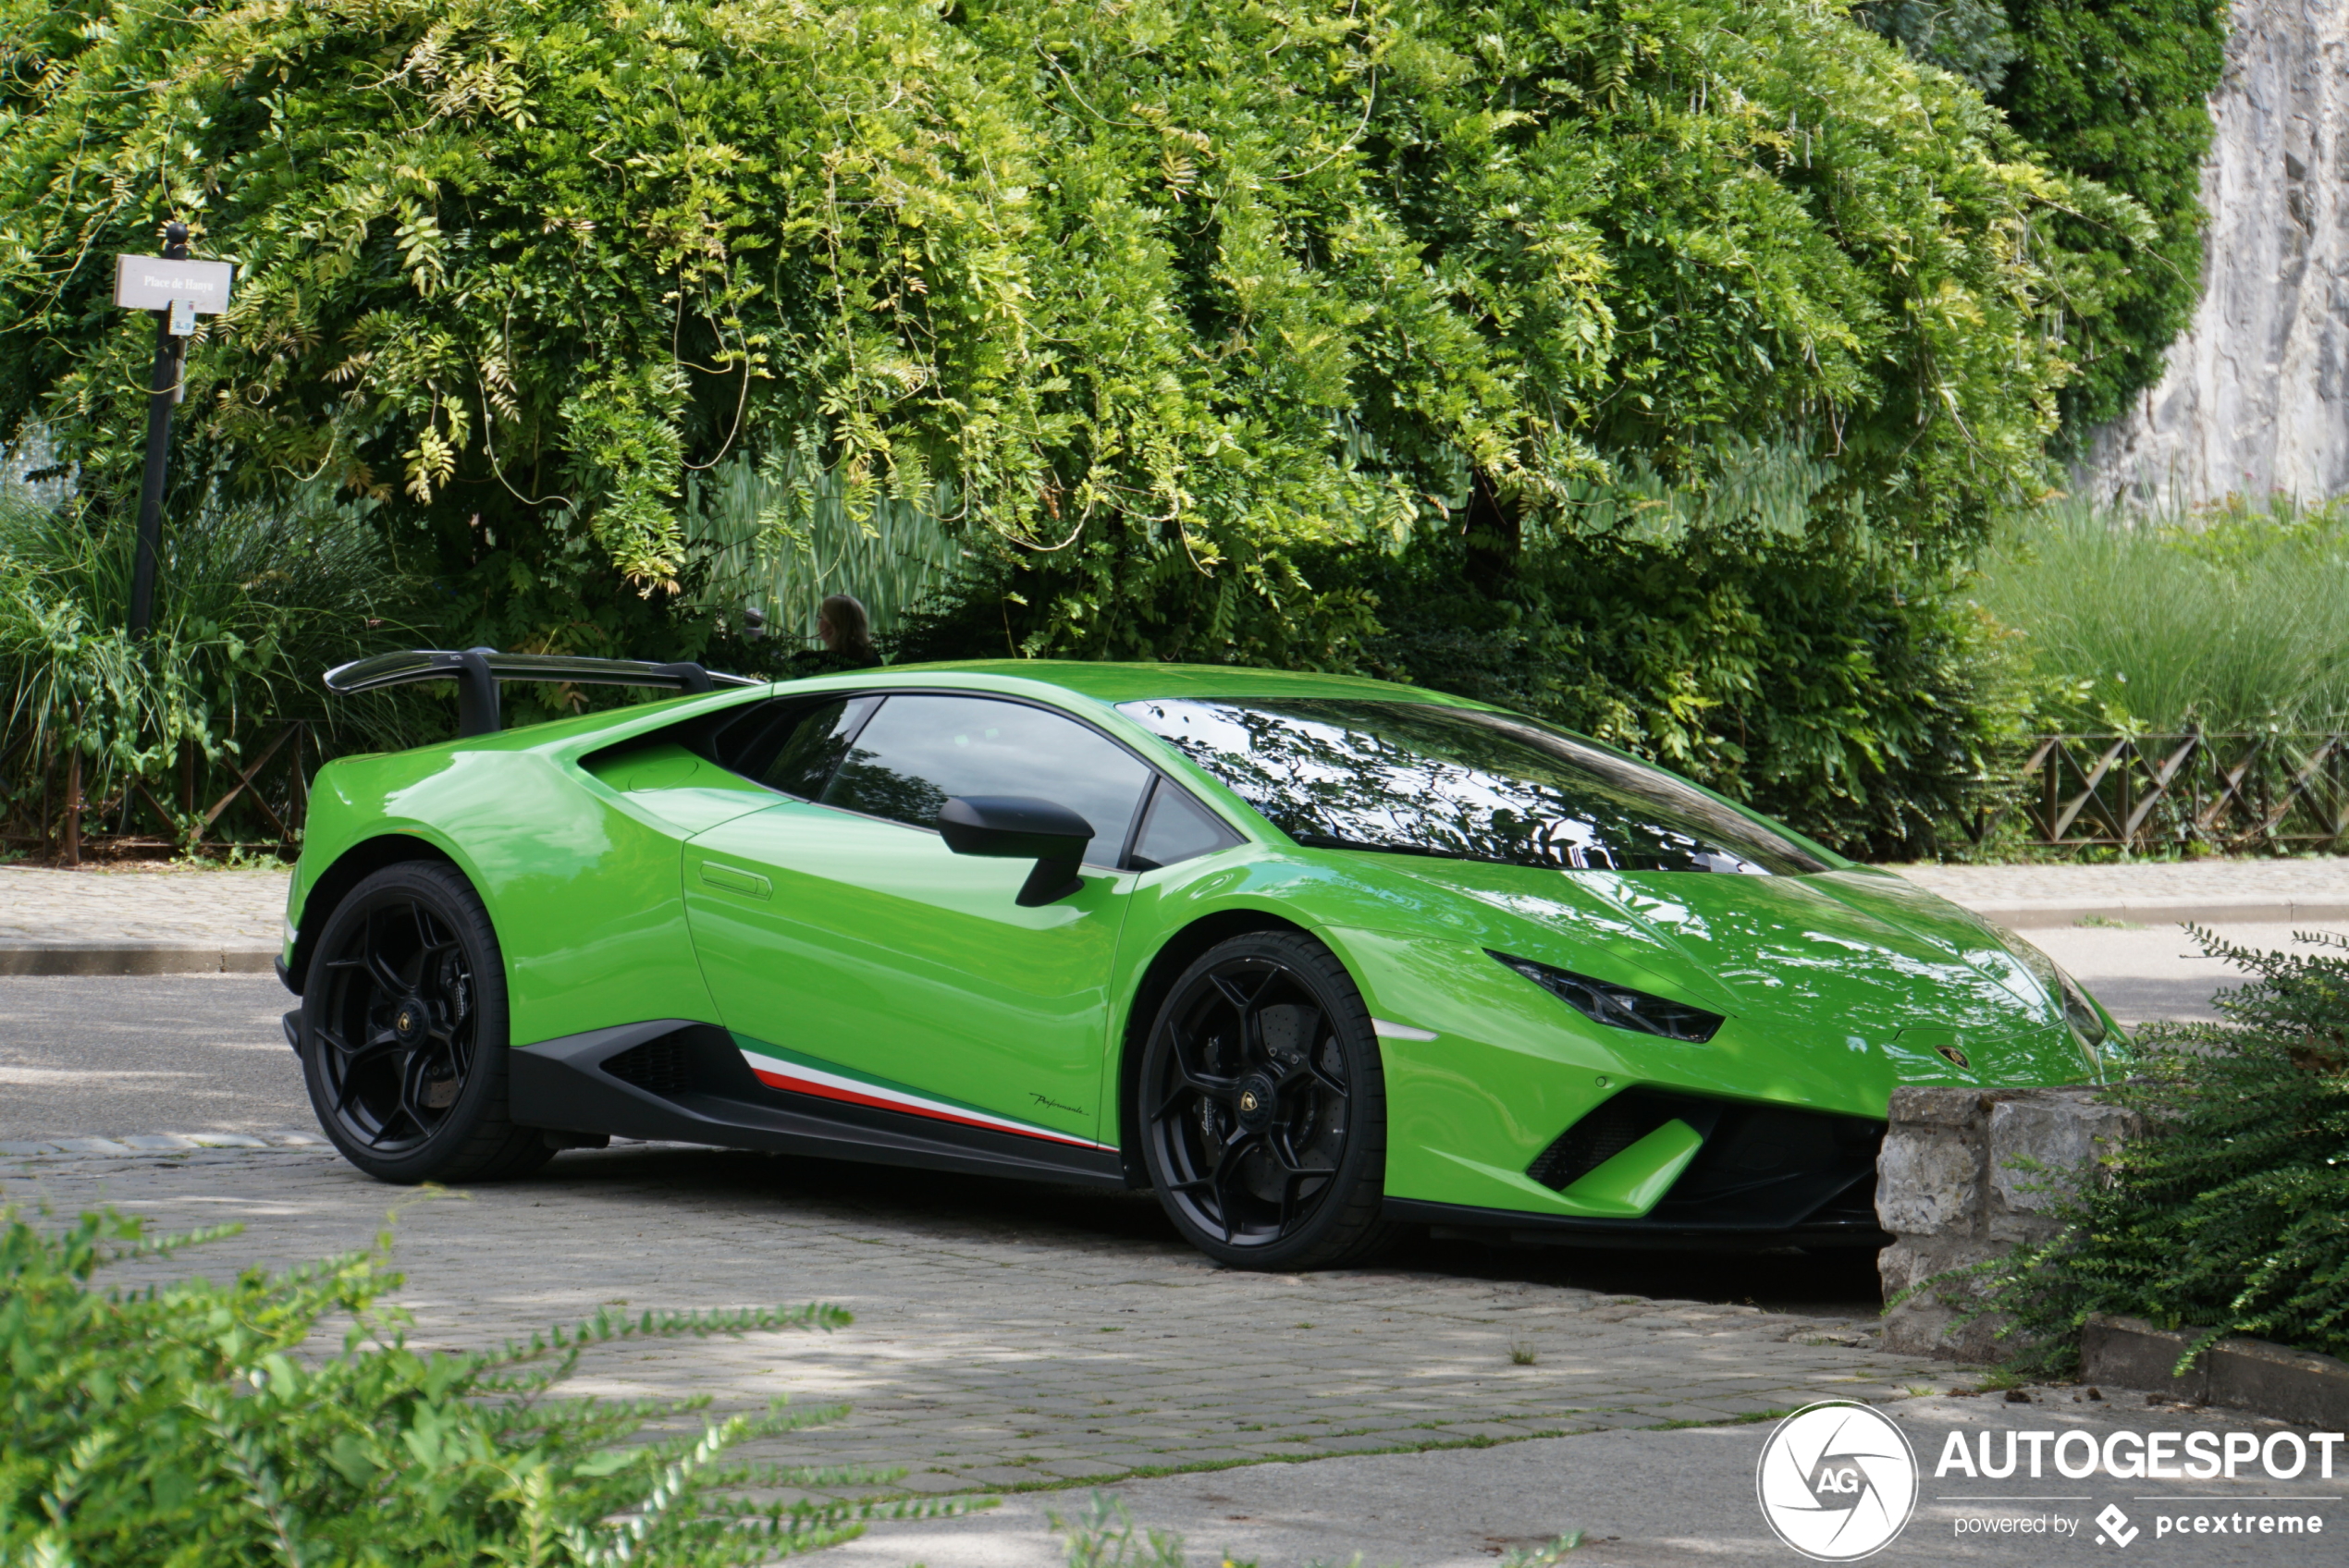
column 1682, row 1499
column 165, row 906
column 1010, row 1337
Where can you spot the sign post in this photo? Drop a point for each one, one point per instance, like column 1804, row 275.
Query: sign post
column 176, row 290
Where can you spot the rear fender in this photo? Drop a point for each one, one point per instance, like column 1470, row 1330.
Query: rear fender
column 583, row 891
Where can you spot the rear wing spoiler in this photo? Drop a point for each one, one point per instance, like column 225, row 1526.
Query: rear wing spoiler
column 477, row 672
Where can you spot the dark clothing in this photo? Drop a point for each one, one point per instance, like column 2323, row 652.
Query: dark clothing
column 828, row 661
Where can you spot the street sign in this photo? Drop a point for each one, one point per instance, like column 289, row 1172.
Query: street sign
column 151, row 283
column 178, row 291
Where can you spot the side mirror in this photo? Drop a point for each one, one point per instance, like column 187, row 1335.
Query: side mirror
column 1021, row 827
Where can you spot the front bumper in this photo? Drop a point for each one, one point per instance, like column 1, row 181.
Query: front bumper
column 1684, row 1170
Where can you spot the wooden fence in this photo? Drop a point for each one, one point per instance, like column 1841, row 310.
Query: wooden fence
column 2232, row 793
column 262, row 806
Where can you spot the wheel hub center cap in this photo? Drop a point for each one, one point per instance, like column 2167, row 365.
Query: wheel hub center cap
column 1256, row 1102
column 411, row 1019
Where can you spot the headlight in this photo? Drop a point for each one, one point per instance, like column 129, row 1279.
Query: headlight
column 2078, row 1010
column 1619, row 1007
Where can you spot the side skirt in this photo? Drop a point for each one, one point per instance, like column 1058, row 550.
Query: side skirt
column 1461, row 1221
column 676, row 1080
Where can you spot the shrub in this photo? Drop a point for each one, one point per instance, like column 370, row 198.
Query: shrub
column 193, row 1426
column 1857, row 698
column 2232, row 1216
column 1166, row 295
column 251, row 609
column 2117, row 91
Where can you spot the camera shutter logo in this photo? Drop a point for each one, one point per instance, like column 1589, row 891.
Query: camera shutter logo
column 1836, row 1481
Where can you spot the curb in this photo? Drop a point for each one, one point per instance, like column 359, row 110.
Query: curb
column 2267, row 1379
column 162, row 1142
column 133, row 958
column 2043, row 914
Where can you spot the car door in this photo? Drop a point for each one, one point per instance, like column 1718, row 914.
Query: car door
column 859, row 959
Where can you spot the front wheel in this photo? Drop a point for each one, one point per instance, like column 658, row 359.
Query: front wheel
column 403, row 1033
column 1263, row 1108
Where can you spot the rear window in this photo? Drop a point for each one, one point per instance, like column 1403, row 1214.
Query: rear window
column 1420, row 778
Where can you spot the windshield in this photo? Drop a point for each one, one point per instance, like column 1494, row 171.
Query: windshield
column 1418, row 779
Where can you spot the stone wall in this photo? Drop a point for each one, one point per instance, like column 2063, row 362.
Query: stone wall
column 2255, row 394
column 1965, row 1175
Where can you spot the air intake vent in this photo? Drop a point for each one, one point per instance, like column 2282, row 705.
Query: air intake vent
column 1599, row 1137
column 660, row 1067
column 1761, row 1165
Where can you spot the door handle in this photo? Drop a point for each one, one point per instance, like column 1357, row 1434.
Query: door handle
column 735, row 879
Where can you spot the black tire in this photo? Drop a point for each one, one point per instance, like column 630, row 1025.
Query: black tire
column 1262, row 1108
column 403, row 1033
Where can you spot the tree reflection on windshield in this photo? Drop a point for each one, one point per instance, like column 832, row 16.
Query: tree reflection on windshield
column 1418, row 778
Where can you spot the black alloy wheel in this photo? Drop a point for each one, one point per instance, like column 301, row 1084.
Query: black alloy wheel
column 403, row 1024
column 1262, row 1108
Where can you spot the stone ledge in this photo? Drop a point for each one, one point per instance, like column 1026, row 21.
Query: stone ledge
column 131, row 957
column 1964, row 1176
column 2243, row 1374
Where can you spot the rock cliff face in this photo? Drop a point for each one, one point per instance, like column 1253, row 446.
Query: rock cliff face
column 2255, row 394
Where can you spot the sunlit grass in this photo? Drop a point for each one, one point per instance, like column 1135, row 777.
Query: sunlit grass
column 2234, row 618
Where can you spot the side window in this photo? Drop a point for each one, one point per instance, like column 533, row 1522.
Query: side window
column 813, row 749
column 795, row 749
column 920, row 751
column 1179, row 828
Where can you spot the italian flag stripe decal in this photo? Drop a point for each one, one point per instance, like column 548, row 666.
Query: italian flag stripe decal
column 797, row 1075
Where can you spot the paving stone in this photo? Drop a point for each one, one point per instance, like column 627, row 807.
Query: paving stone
column 998, row 1475
column 163, row 906
column 1500, row 1431
column 976, row 1354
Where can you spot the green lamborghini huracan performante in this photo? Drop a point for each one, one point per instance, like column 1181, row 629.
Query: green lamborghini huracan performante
column 1312, row 958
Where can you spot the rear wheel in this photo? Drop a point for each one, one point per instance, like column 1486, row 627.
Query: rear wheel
column 403, row 1033
column 1262, row 1108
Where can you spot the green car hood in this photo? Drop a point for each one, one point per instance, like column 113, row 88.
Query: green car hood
column 1819, row 958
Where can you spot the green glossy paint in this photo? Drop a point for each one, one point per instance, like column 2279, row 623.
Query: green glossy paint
column 1636, row 1179
column 630, row 880
column 883, row 951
